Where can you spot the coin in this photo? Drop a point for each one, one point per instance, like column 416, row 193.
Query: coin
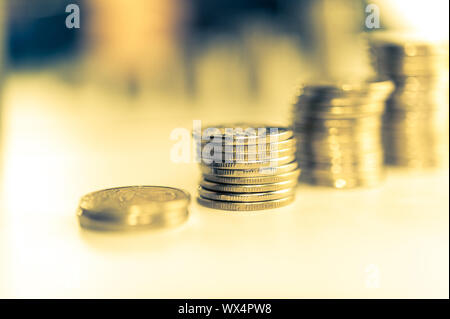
column 237, row 188
column 253, row 206
column 253, row 180
column 237, row 168
column 243, row 133
column 246, row 164
column 257, row 156
column 398, row 44
column 249, row 148
column 338, row 132
column 263, row 170
column 245, row 197
column 330, row 90
column 344, row 157
column 337, row 126
column 219, row 153
column 133, row 207
column 344, row 182
column 317, row 101
column 419, row 84
column 417, row 110
column 338, row 112
column 335, row 141
column 96, row 221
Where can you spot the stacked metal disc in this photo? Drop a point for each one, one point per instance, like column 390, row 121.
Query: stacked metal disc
column 338, row 131
column 415, row 124
column 133, row 208
column 247, row 167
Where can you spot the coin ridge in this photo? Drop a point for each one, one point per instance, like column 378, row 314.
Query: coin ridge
column 258, row 188
column 251, row 172
column 245, row 197
column 269, row 179
column 252, row 206
column 251, row 164
column 88, row 222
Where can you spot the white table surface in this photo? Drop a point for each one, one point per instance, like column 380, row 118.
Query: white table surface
column 60, row 142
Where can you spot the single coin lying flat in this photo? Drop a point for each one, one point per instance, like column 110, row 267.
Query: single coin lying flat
column 133, row 207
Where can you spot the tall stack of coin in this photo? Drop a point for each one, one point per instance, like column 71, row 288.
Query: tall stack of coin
column 338, row 131
column 415, row 124
column 247, row 167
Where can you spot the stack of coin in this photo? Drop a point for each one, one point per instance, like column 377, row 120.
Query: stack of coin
column 338, row 131
column 415, row 123
column 133, row 207
column 247, row 167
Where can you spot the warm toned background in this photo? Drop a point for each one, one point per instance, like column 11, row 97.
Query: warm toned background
column 391, row 241
column 82, row 110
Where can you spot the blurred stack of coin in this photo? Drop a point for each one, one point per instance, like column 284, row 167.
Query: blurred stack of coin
column 338, row 131
column 415, row 123
column 133, row 207
column 246, row 167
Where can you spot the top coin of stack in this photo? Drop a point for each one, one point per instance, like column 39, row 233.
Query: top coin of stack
column 246, row 167
column 133, row 207
column 337, row 127
column 415, row 124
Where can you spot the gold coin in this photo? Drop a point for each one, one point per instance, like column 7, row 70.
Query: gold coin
column 342, row 156
column 420, row 84
column 350, row 145
column 310, row 103
column 330, row 90
column 243, row 133
column 343, row 182
column 236, row 188
column 258, row 155
column 245, row 164
column 132, row 207
column 319, row 139
column 263, row 170
column 245, row 197
column 338, row 131
column 405, row 45
column 253, row 180
column 338, row 112
column 374, row 173
column 246, row 148
column 234, row 206
column 325, row 123
column 103, row 222
column 416, row 116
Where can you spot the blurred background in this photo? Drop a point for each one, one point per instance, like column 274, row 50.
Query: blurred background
column 181, row 47
column 93, row 107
